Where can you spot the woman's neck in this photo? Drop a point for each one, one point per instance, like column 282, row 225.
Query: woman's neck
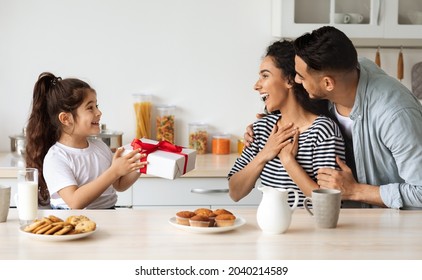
column 300, row 118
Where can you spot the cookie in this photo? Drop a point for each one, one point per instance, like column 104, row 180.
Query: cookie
column 43, row 229
column 54, row 219
column 54, row 229
column 64, row 230
column 33, row 226
column 85, row 226
column 74, row 220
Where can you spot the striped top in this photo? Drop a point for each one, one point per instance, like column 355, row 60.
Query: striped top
column 318, row 147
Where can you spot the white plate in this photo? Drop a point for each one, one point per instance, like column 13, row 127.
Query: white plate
column 65, row 237
column 237, row 223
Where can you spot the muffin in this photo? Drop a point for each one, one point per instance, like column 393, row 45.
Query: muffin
column 221, row 211
column 199, row 221
column 183, row 217
column 225, row 220
column 207, row 213
column 203, row 211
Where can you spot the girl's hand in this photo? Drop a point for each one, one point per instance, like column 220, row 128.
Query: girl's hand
column 128, row 163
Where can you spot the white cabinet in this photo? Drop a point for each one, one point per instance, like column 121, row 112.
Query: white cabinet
column 404, row 19
column 357, row 19
column 190, row 191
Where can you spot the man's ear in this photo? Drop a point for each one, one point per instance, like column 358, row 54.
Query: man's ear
column 66, row 118
column 329, row 83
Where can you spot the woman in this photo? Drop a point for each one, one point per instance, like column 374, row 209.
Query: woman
column 294, row 141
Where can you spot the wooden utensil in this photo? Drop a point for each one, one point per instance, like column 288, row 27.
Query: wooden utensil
column 400, row 65
column 378, row 57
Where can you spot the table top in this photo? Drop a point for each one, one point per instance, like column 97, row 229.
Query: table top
column 147, row 234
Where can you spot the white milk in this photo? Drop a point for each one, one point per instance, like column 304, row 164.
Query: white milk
column 27, row 200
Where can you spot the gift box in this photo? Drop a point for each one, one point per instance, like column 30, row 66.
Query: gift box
column 164, row 159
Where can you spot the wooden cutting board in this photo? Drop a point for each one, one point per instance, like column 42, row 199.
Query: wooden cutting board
column 417, row 80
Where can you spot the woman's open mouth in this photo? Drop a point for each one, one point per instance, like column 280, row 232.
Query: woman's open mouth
column 264, row 96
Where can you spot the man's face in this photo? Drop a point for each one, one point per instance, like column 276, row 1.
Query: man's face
column 311, row 82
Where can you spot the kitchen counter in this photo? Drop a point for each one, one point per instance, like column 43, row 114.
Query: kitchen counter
column 207, row 165
column 147, row 234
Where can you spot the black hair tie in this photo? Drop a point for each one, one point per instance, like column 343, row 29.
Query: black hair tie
column 55, row 80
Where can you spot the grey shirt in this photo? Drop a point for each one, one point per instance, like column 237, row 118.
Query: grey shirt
column 387, row 137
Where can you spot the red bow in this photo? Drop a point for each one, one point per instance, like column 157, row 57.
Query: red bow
column 149, row 148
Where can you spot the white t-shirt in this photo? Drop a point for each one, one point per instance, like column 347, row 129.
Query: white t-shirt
column 345, row 122
column 65, row 166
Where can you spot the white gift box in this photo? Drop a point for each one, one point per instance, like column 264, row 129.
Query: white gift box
column 164, row 164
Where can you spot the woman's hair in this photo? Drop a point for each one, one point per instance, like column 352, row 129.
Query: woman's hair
column 283, row 55
column 327, row 49
column 51, row 96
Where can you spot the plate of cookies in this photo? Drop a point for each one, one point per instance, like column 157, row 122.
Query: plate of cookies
column 52, row 228
column 204, row 220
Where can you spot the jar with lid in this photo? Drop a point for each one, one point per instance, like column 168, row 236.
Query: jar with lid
column 240, row 146
column 221, row 144
column 198, row 137
column 165, row 123
column 143, row 106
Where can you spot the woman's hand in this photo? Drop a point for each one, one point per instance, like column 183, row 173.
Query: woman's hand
column 289, row 152
column 279, row 139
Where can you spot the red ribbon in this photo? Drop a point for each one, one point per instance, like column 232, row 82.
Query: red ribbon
column 148, row 148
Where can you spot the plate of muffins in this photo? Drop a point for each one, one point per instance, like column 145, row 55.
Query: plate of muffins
column 204, row 220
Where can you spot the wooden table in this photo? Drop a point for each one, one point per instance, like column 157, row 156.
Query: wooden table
column 146, row 234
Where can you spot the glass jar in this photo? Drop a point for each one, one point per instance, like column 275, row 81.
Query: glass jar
column 165, row 123
column 143, row 106
column 221, row 144
column 198, row 137
column 240, row 146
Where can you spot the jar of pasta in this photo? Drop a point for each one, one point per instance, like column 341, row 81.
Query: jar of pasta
column 165, row 123
column 221, row 144
column 143, row 106
column 198, row 137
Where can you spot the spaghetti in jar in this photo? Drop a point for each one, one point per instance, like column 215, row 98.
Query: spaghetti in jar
column 143, row 107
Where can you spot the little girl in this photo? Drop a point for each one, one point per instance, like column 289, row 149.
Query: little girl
column 75, row 172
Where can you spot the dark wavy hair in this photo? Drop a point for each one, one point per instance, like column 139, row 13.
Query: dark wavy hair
column 283, row 55
column 51, row 96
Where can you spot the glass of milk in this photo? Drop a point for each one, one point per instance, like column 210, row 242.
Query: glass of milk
column 27, row 196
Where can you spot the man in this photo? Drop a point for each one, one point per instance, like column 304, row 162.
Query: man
column 380, row 119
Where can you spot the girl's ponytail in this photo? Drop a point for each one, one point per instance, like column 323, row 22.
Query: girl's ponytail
column 40, row 134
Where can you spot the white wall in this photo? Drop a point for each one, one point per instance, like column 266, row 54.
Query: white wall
column 200, row 55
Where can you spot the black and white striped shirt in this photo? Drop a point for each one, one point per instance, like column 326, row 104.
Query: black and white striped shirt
column 318, row 147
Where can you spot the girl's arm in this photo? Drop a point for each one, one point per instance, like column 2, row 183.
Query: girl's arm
column 80, row 197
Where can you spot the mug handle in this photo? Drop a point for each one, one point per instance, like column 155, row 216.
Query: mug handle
column 305, row 203
column 296, row 198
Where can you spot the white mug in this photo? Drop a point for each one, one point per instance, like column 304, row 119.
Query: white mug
column 4, row 202
column 355, row 18
column 326, row 205
column 27, row 197
column 341, row 18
